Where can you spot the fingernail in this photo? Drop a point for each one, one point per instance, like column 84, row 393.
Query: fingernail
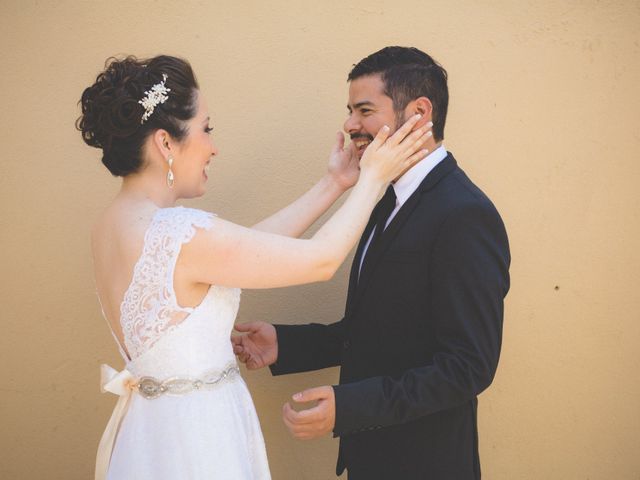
column 418, row 116
column 429, row 133
column 297, row 396
column 430, row 124
column 385, row 128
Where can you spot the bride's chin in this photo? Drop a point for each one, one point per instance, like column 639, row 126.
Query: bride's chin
column 195, row 192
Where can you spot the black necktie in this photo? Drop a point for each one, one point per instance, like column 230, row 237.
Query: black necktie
column 386, row 205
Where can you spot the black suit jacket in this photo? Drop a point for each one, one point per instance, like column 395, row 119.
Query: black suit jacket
column 420, row 338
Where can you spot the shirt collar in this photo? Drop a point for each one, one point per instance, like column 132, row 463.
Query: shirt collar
column 409, row 182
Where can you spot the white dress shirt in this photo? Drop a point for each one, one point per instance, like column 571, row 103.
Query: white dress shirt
column 409, row 183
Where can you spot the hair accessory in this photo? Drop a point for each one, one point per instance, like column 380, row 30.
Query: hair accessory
column 170, row 177
column 152, row 98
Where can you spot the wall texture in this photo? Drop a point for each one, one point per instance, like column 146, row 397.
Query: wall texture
column 544, row 117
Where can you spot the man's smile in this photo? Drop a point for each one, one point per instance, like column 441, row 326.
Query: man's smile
column 361, row 142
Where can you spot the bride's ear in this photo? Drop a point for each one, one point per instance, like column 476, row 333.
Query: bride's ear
column 162, row 142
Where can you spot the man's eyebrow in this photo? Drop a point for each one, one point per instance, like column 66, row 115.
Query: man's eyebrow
column 366, row 103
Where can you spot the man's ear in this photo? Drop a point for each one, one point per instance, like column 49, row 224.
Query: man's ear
column 424, row 107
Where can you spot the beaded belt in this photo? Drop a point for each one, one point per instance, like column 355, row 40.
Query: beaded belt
column 124, row 384
column 150, row 387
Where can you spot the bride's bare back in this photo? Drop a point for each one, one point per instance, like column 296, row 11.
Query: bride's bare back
column 117, row 241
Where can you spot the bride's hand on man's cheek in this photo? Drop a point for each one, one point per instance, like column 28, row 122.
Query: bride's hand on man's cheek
column 343, row 165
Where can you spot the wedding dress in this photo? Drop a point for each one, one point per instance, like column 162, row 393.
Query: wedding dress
column 184, row 412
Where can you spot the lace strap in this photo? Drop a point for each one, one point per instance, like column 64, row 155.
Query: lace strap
column 175, row 227
column 150, row 308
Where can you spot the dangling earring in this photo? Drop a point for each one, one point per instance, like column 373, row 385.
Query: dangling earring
column 170, row 177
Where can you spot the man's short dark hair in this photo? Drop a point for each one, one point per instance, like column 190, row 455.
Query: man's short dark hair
column 408, row 73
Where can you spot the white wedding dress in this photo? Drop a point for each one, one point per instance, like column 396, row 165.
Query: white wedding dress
column 194, row 417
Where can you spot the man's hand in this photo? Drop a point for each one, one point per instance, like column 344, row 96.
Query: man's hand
column 258, row 347
column 343, row 163
column 315, row 421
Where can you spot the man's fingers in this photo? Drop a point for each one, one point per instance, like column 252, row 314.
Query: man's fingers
column 246, row 326
column 253, row 362
column 302, row 417
column 302, row 431
column 310, row 394
column 307, row 416
column 287, row 417
column 244, row 357
column 311, row 415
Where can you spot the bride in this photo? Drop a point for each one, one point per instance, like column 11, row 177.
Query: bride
column 168, row 277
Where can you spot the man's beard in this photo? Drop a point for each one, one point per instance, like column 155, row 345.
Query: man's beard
column 364, row 136
column 400, row 120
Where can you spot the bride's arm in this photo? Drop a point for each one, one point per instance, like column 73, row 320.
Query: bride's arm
column 231, row 255
column 297, row 217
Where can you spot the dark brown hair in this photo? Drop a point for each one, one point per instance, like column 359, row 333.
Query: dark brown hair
column 409, row 73
column 111, row 112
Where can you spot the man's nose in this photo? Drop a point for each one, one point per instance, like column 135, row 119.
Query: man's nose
column 351, row 124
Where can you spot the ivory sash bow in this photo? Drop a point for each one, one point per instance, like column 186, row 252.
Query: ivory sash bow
column 121, row 384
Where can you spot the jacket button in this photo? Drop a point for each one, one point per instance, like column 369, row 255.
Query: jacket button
column 346, row 344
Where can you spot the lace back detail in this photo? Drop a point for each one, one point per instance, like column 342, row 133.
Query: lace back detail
column 149, row 309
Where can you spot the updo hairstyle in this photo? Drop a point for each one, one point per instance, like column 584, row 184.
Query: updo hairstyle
column 111, row 115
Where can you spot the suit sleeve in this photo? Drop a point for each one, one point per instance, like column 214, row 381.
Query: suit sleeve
column 468, row 280
column 302, row 348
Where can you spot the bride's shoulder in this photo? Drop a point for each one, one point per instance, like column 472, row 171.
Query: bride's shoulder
column 125, row 218
column 182, row 223
column 185, row 216
column 119, row 232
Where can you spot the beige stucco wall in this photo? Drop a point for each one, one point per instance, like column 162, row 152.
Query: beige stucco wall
column 544, row 117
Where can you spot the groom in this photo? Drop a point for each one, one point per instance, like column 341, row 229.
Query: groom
column 422, row 329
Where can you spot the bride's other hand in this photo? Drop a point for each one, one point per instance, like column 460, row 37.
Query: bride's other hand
column 343, row 163
column 387, row 157
column 258, row 347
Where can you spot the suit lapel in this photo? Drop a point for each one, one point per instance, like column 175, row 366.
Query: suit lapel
column 357, row 287
column 446, row 166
